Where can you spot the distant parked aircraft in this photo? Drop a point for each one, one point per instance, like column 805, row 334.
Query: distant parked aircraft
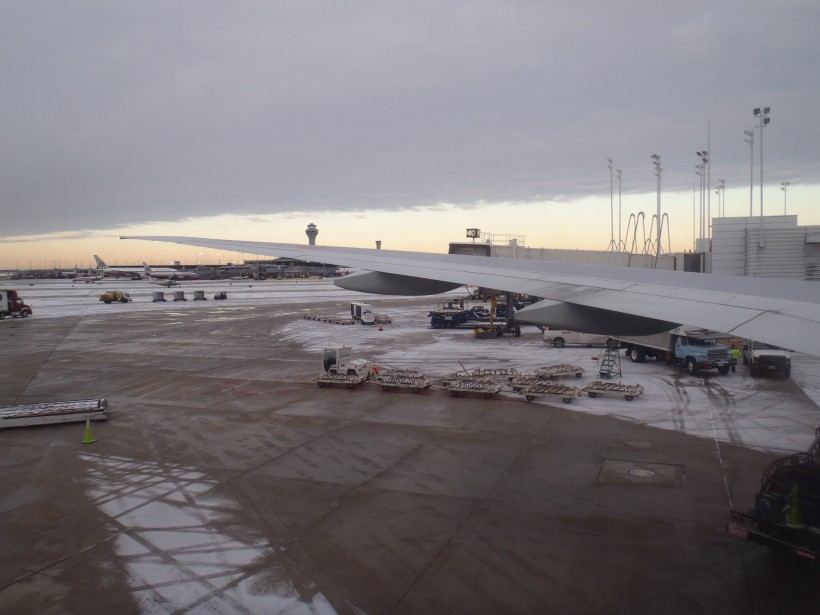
column 168, row 273
column 158, row 273
column 118, row 272
column 89, row 278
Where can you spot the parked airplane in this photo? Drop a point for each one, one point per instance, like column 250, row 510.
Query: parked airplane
column 159, row 273
column 89, row 278
column 591, row 298
column 168, row 273
column 118, row 272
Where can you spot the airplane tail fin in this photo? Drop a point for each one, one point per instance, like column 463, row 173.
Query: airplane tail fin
column 100, row 262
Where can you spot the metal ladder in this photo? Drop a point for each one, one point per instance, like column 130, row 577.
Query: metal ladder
column 610, row 364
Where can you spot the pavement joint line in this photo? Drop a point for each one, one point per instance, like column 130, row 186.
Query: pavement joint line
column 717, row 446
column 479, row 503
column 35, row 374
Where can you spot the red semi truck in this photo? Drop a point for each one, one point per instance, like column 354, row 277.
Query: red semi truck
column 12, row 305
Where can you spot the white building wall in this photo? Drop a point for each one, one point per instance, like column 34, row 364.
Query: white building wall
column 774, row 247
column 589, row 257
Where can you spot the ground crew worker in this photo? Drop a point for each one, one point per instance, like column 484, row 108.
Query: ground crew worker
column 735, row 356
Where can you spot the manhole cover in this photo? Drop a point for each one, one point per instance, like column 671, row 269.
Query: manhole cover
column 641, row 473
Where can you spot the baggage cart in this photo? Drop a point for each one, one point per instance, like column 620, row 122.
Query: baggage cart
column 629, row 391
column 560, row 371
column 54, row 412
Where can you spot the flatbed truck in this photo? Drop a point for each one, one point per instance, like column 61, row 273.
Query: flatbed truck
column 695, row 349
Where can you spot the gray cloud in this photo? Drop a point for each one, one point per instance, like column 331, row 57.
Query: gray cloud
column 117, row 113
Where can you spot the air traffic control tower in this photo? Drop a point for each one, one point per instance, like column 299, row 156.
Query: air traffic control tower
column 311, row 231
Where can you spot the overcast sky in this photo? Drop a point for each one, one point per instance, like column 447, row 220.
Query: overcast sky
column 119, row 113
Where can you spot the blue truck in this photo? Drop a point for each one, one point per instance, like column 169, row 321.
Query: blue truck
column 694, row 349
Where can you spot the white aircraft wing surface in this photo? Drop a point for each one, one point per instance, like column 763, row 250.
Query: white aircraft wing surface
column 590, row 298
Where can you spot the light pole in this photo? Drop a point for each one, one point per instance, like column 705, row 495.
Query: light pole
column 720, row 190
column 611, row 210
column 784, row 186
column 750, row 139
column 694, row 218
column 763, row 116
column 706, row 223
column 656, row 160
column 700, row 173
column 620, row 242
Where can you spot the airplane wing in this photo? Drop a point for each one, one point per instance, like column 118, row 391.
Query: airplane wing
column 590, row 298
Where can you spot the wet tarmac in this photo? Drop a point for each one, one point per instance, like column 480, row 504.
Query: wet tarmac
column 225, row 481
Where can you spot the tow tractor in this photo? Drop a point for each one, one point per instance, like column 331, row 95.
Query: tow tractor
column 115, row 296
column 786, row 514
column 12, row 305
column 341, row 368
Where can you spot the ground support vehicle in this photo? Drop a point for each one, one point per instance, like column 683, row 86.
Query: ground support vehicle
column 363, row 313
column 115, row 296
column 490, row 330
column 786, row 514
column 221, row 296
column 54, row 412
column 695, row 349
column 449, row 318
column 764, row 358
column 455, row 315
column 402, row 378
column 12, row 305
column 566, row 392
column 629, row 391
column 336, row 320
column 158, row 296
column 341, row 368
column 559, row 338
column 466, row 383
column 560, row 371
